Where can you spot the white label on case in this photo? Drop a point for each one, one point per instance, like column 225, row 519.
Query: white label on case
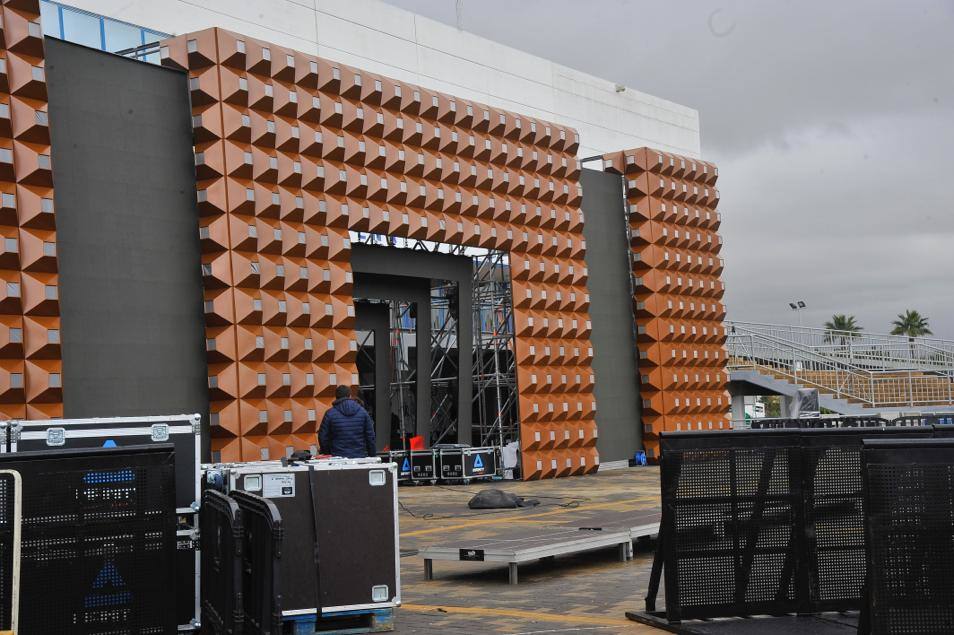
column 55, row 437
column 278, row 485
column 160, row 432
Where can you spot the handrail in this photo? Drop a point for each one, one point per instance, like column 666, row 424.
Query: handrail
column 863, row 350
column 794, row 327
column 871, row 380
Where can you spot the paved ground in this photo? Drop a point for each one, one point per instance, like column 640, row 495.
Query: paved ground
column 588, row 593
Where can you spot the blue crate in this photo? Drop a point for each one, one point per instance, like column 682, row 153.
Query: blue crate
column 343, row 623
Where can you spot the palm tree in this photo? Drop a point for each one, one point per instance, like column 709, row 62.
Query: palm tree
column 841, row 327
column 912, row 324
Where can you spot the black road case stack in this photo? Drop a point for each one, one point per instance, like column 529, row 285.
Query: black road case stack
column 462, row 463
column 183, row 432
column 402, row 459
column 96, row 541
column 339, row 518
column 423, row 466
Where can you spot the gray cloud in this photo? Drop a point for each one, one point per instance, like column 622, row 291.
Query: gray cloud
column 832, row 124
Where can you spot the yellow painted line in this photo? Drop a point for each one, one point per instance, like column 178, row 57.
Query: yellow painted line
column 503, row 520
column 592, row 620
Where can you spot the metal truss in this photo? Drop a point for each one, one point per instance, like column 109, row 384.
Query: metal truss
column 495, row 361
column 494, row 402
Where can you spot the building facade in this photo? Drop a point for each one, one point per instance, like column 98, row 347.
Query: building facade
column 292, row 158
column 382, row 39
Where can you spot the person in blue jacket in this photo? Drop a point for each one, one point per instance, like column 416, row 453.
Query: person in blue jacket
column 346, row 429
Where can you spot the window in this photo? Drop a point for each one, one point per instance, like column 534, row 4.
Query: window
column 50, row 19
column 50, row 292
column 53, row 336
column 10, row 245
column 80, row 27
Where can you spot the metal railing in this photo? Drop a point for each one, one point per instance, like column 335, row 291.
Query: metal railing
column 873, row 370
column 875, row 351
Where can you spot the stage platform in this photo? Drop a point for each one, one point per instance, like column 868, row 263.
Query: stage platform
column 527, row 544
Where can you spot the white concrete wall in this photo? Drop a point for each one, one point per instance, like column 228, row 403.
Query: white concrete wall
column 383, row 39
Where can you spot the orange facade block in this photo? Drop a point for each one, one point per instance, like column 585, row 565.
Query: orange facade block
column 307, row 149
column 31, row 382
column 673, row 234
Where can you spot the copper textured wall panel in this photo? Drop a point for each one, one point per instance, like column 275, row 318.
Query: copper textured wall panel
column 677, row 278
column 30, row 366
column 292, row 152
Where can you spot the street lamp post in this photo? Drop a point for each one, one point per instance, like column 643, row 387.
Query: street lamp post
column 798, row 306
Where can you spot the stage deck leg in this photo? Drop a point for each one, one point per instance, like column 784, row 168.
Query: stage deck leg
column 428, row 569
column 513, row 573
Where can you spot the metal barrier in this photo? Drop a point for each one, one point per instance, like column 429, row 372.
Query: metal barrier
column 222, row 541
column 926, row 419
column 909, row 495
column 906, row 421
column 98, row 540
column 261, row 562
column 762, row 522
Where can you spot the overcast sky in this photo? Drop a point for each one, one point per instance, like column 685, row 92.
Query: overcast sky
column 832, row 124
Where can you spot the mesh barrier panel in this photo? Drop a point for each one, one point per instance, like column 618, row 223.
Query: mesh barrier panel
column 261, row 555
column 834, row 518
column 765, row 521
column 729, row 509
column 98, row 540
column 909, row 489
column 221, row 543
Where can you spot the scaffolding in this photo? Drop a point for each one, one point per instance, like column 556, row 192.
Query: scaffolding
column 494, row 400
column 445, row 367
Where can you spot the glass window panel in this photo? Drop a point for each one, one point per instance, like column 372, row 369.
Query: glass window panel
column 50, row 18
column 121, row 36
column 81, row 28
column 151, row 36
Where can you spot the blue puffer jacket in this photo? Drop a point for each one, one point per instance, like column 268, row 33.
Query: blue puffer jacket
column 347, row 430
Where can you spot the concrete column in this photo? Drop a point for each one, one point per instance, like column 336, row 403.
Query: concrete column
column 738, row 407
column 786, row 406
